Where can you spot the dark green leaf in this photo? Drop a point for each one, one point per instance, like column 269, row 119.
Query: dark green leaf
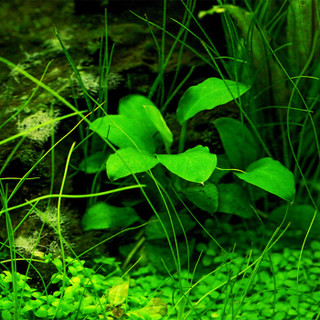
column 234, row 199
column 238, row 142
column 104, row 216
column 204, row 196
column 93, row 163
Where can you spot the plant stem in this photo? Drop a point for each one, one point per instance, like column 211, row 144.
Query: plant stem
column 183, row 134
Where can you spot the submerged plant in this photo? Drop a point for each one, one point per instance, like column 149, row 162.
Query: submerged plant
column 39, row 126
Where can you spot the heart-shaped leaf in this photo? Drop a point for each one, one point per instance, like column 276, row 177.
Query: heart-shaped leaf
column 195, row 165
column 127, row 161
column 207, row 95
column 270, row 175
column 132, row 127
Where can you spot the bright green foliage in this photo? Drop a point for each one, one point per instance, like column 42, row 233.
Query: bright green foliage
column 156, row 117
column 238, row 142
column 272, row 176
column 132, row 127
column 82, row 294
column 196, row 164
column 207, row 95
column 134, row 130
column 105, row 216
column 127, row 161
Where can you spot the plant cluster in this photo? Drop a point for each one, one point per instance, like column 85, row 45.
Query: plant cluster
column 263, row 173
column 80, row 293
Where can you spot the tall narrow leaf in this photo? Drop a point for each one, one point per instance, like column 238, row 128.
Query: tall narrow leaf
column 238, row 142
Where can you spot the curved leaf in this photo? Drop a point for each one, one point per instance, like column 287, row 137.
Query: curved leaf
column 195, row 165
column 270, row 175
column 127, row 161
column 156, row 118
column 207, row 95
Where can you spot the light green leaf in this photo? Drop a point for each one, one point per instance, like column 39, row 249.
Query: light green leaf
column 233, row 199
column 104, row 216
column 132, row 127
column 118, row 294
column 270, row 175
column 238, row 142
column 124, row 131
column 195, row 165
column 207, row 95
column 125, row 162
column 204, row 196
column 156, row 118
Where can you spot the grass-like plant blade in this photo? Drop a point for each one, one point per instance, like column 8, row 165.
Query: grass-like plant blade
column 238, row 142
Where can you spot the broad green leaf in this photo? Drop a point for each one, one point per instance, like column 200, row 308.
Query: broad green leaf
column 233, row 199
column 132, row 106
column 207, row 95
column 238, row 142
column 270, row 175
column 156, row 118
column 299, row 216
column 156, row 306
column 118, row 294
column 195, row 165
column 124, row 131
column 125, row 162
column 93, row 163
column 204, row 196
column 104, row 216
column 131, row 127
